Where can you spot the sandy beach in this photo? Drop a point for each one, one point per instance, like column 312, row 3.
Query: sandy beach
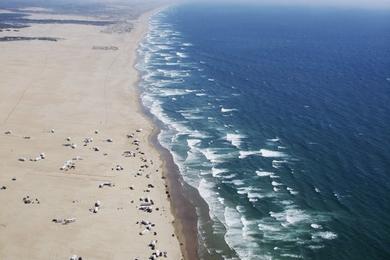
column 78, row 173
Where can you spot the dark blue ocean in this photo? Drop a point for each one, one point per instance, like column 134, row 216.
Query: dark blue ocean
column 280, row 118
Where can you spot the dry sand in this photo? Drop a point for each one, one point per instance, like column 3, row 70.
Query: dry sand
column 75, row 89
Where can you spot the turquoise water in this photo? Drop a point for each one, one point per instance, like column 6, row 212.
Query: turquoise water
column 280, row 118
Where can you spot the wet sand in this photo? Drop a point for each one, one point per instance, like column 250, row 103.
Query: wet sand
column 78, row 177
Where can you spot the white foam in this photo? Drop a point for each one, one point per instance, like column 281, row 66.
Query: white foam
column 264, row 174
column 274, row 139
column 190, row 116
column 193, row 142
column 271, row 153
column 290, row 216
column 165, row 54
column 162, row 47
column 243, row 190
column 230, row 176
column 213, row 156
column 206, row 190
column 269, row 228
column 232, row 218
column 238, row 229
column 274, row 183
column 253, row 196
column 264, row 153
column 180, row 127
column 291, row 256
column 287, row 202
column 172, row 63
column 248, row 230
column 227, row 110
column 169, row 58
column 210, row 155
column 316, row 247
column 324, row 235
column 294, row 216
column 181, row 54
column 278, row 163
column 337, row 195
column 238, row 182
column 175, row 74
column 235, row 139
column 292, row 191
column 197, row 134
column 217, row 171
column 240, row 209
column 316, row 226
column 192, row 158
column 221, row 200
column 202, row 173
column 172, row 92
column 244, row 154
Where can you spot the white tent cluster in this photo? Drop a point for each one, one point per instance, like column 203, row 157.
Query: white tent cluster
column 145, row 206
column 106, row 184
column 96, row 207
column 68, row 165
column 64, row 221
column 41, row 156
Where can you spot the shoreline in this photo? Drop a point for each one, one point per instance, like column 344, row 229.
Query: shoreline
column 182, row 208
column 187, row 205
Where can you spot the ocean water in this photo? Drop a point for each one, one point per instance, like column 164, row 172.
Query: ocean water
column 280, row 118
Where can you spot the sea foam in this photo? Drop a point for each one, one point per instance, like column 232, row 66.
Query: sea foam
column 235, row 139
